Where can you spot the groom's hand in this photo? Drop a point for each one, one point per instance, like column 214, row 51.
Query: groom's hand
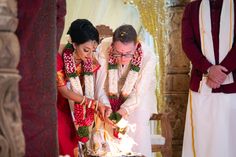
column 122, row 112
column 108, row 112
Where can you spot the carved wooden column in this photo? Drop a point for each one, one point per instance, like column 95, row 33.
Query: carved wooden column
column 176, row 73
column 11, row 136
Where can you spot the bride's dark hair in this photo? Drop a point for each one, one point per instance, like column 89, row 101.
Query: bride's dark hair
column 82, row 30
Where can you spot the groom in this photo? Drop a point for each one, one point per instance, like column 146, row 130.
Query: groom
column 208, row 38
column 126, row 82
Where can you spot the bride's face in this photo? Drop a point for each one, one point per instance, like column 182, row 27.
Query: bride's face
column 86, row 49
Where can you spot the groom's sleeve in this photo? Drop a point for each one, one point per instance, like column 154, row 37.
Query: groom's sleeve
column 146, row 84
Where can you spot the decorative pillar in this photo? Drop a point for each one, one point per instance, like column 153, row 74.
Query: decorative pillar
column 40, row 27
column 176, row 72
column 12, row 142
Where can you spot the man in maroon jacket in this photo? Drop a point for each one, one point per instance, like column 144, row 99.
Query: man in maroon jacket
column 208, row 31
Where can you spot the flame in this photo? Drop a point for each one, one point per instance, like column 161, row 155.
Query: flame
column 116, row 147
column 125, row 143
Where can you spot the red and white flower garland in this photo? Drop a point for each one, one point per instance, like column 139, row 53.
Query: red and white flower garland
column 116, row 99
column 83, row 113
column 132, row 75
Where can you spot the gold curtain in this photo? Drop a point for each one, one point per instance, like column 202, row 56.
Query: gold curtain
column 153, row 15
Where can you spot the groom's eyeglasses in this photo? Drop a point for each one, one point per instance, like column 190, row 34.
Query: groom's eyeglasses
column 128, row 55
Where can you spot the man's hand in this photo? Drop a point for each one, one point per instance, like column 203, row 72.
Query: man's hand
column 108, row 112
column 122, row 112
column 212, row 84
column 217, row 75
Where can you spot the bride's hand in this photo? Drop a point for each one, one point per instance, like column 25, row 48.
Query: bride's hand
column 101, row 110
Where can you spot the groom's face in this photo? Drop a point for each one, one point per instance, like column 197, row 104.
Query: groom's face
column 124, row 51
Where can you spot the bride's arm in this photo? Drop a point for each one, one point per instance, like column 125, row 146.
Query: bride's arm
column 68, row 94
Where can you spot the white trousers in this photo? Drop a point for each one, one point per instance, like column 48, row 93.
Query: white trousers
column 210, row 129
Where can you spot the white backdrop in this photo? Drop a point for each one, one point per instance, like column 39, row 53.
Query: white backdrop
column 112, row 13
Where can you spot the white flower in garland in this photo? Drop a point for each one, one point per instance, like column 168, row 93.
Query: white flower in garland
column 113, row 78
column 129, row 83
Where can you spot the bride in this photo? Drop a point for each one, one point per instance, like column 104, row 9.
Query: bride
column 76, row 69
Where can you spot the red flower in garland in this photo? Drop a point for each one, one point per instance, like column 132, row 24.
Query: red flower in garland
column 112, row 60
column 138, row 55
column 68, row 55
column 88, row 68
column 84, row 117
column 79, row 113
column 116, row 133
column 116, row 102
column 83, row 139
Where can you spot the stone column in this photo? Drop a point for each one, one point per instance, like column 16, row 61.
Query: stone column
column 176, row 73
column 12, row 142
